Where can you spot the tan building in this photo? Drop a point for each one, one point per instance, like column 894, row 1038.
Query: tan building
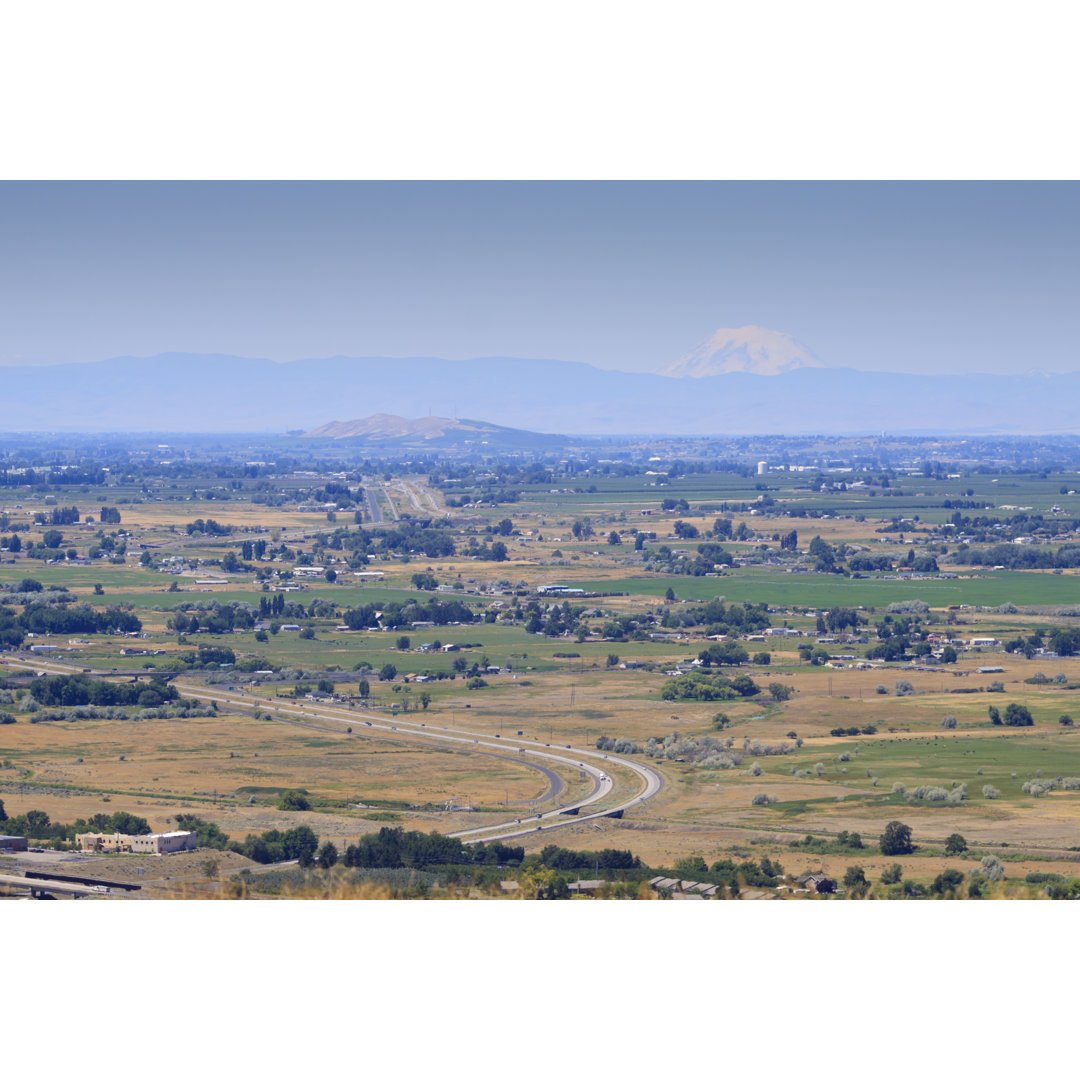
column 163, row 843
column 95, row 841
column 153, row 844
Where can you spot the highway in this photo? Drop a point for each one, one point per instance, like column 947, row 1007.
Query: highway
column 594, row 763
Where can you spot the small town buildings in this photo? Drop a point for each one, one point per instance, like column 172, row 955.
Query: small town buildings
column 10, row 844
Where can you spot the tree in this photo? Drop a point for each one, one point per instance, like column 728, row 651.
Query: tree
column 403, row 644
column 955, row 845
column 612, row 660
column 691, row 867
column 995, row 716
column 614, row 538
column 387, row 672
column 363, row 688
column 300, row 844
column 948, row 655
column 670, row 594
column 327, row 855
column 425, row 699
column 896, row 839
column 855, row 880
column 52, row 538
column 780, row 691
column 1018, row 715
column 498, row 551
column 3, row 812
column 826, row 885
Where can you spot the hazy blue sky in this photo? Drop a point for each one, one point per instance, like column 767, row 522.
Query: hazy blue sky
column 890, row 276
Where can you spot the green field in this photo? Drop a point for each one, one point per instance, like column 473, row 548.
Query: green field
column 992, row 588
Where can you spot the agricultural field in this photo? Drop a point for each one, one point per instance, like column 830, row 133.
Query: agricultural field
column 811, row 652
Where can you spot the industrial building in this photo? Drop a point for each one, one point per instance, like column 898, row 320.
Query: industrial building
column 12, row 843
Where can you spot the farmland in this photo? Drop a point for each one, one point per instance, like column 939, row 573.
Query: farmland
column 874, row 607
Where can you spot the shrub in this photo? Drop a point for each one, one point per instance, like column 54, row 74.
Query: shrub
column 891, row 875
column 293, row 800
column 755, row 769
column 930, row 793
column 898, row 788
column 903, row 687
column 948, row 722
column 992, row 867
column 761, row 799
column 881, row 688
column 948, row 881
column 1037, row 877
column 990, row 792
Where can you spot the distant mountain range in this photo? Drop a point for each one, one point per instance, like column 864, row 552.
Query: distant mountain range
column 201, row 393
column 432, row 431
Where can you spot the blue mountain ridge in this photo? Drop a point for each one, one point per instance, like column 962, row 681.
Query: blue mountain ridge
column 212, row 392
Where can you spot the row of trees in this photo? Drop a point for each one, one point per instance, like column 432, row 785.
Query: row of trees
column 62, row 691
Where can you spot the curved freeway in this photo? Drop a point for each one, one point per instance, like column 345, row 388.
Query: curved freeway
column 595, row 763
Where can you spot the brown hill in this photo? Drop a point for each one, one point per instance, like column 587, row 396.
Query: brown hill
column 387, row 426
column 435, row 430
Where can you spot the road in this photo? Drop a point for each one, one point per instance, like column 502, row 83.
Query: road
column 594, row 763
column 373, row 505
